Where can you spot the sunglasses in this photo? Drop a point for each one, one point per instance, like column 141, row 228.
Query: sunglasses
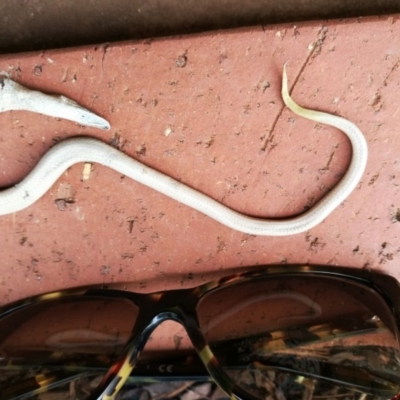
column 282, row 332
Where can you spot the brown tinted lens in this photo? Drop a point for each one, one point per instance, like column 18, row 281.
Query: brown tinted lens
column 69, row 340
column 303, row 337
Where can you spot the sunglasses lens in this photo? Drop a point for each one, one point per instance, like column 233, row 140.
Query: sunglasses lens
column 64, row 346
column 303, row 337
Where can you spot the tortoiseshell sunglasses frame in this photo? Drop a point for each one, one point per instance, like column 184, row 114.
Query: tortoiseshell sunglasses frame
column 180, row 306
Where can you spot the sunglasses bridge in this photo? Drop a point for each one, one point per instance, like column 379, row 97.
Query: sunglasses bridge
column 178, row 306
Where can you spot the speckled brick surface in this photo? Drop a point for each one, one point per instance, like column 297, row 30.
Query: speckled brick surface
column 207, row 111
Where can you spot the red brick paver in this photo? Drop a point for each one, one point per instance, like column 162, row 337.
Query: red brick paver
column 206, row 110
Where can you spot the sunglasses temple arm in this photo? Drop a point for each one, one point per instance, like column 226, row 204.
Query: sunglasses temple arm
column 39, row 384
